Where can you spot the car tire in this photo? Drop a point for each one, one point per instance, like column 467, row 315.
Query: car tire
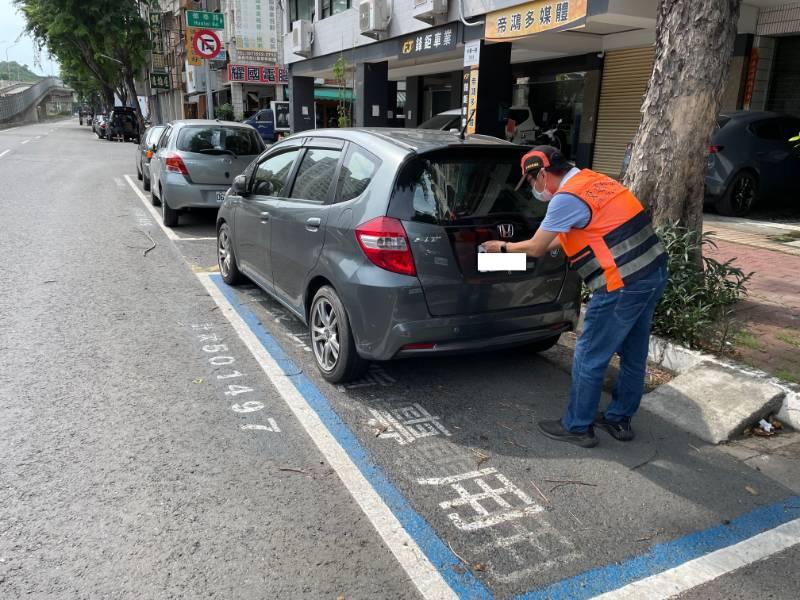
column 542, row 345
column 154, row 200
column 740, row 197
column 169, row 215
column 226, row 258
column 139, row 175
column 347, row 365
column 146, row 186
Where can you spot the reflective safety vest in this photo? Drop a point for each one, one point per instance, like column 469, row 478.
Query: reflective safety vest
column 618, row 244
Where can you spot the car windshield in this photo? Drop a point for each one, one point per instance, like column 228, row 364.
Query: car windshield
column 216, row 139
column 449, row 186
column 441, row 122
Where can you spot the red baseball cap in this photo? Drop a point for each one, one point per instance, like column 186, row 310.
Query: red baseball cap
column 541, row 157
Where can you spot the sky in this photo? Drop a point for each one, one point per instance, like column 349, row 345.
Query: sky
column 12, row 25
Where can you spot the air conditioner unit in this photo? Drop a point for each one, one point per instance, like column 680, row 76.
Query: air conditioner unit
column 302, row 37
column 374, row 17
column 428, row 10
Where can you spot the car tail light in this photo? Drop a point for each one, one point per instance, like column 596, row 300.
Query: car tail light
column 713, row 149
column 175, row 164
column 149, row 154
column 385, row 244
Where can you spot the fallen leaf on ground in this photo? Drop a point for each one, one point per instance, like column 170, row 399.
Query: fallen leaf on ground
column 198, row 380
column 752, row 490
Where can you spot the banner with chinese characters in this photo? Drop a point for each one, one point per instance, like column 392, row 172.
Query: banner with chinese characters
column 469, row 107
column 264, row 75
column 535, row 17
column 254, row 25
column 429, row 41
column 191, row 58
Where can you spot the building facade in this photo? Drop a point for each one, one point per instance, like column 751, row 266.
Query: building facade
column 581, row 66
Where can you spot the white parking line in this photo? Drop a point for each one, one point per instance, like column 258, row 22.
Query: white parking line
column 416, row 564
column 710, row 566
column 4, row 152
column 24, row 141
column 151, row 209
column 157, row 216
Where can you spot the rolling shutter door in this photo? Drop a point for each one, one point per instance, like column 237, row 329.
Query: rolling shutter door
column 784, row 95
column 625, row 77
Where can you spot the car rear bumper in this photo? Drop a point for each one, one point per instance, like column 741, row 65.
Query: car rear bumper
column 392, row 332
column 181, row 193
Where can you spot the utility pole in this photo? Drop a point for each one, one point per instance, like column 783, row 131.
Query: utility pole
column 207, row 71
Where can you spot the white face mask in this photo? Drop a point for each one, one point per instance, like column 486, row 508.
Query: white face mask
column 543, row 196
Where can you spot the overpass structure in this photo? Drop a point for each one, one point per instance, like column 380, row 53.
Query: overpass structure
column 31, row 103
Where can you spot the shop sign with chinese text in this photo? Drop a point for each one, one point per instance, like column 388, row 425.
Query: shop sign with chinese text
column 429, row 41
column 271, row 75
column 535, row 17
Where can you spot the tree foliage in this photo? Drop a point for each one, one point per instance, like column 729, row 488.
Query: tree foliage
column 103, row 40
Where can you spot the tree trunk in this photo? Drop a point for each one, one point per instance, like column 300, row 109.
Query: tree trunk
column 694, row 44
column 130, row 84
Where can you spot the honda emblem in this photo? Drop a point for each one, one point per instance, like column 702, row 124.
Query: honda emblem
column 506, row 230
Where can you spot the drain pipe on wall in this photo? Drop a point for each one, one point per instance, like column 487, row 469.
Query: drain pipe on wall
column 463, row 20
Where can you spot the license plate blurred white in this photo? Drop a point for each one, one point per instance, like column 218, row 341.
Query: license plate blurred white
column 500, row 261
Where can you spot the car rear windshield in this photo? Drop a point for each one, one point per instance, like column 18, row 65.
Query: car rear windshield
column 456, row 185
column 217, row 139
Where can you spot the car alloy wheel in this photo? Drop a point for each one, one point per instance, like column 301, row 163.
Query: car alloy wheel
column 743, row 196
column 224, row 252
column 325, row 335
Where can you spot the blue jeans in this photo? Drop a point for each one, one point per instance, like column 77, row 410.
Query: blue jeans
column 617, row 321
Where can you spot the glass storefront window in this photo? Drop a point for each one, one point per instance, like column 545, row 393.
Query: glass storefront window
column 554, row 97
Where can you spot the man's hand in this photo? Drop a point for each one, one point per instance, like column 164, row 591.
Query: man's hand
column 492, row 245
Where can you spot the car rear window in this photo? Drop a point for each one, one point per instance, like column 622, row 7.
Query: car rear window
column 218, row 139
column 153, row 135
column 456, row 185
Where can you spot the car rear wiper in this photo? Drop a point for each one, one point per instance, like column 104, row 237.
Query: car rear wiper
column 217, row 151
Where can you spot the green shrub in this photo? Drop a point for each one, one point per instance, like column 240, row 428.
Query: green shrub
column 224, row 112
column 697, row 307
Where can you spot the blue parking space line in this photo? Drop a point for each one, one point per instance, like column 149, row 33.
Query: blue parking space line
column 465, row 584
column 657, row 559
column 668, row 555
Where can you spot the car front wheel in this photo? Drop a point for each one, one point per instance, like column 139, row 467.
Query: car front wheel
column 332, row 340
column 740, row 197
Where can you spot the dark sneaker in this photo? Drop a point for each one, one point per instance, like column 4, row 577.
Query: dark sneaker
column 555, row 431
column 621, row 430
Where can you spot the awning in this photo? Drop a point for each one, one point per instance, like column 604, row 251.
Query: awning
column 333, row 94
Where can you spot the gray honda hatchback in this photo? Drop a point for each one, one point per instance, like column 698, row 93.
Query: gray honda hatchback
column 370, row 237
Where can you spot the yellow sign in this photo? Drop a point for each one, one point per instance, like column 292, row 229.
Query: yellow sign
column 472, row 100
column 191, row 57
column 535, row 17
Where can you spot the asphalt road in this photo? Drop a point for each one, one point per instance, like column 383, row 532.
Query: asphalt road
column 157, row 441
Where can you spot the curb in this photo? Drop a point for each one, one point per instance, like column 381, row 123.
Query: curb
column 679, row 359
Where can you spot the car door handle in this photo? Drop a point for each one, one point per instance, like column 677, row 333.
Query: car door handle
column 264, row 216
column 313, row 223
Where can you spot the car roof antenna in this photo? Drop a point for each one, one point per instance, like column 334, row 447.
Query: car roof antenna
column 464, row 128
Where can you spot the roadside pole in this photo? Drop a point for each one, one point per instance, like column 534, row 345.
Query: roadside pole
column 207, row 71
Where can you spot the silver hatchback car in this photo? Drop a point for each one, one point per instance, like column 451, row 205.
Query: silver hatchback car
column 196, row 161
column 370, row 237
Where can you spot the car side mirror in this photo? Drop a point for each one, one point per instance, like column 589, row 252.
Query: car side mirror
column 239, row 185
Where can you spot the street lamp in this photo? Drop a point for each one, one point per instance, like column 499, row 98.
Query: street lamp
column 8, row 64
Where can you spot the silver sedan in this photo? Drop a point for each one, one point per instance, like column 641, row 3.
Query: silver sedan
column 196, row 161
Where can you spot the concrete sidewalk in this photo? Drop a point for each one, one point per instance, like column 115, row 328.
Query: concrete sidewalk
column 769, row 338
